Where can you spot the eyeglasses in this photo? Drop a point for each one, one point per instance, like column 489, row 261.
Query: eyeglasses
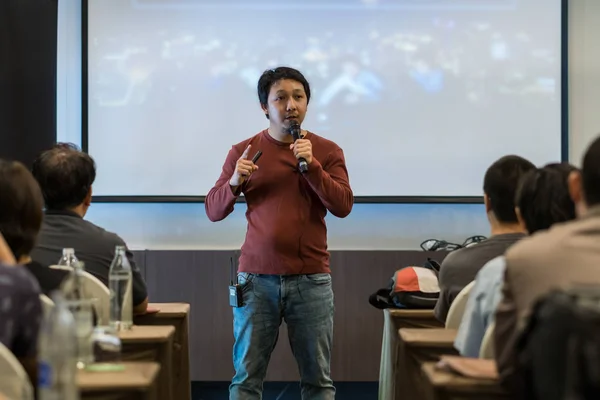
column 470, row 241
column 439, row 245
column 442, row 245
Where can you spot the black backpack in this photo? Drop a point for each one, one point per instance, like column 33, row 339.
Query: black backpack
column 559, row 350
column 411, row 287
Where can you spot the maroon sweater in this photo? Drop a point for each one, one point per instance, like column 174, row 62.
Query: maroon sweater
column 286, row 209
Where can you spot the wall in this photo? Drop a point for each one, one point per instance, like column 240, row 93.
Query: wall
column 27, row 78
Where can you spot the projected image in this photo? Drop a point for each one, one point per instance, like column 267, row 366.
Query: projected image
column 439, row 86
column 337, row 4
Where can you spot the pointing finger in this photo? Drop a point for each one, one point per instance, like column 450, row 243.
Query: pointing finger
column 245, row 153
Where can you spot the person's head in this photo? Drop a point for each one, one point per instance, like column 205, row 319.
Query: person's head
column 543, row 198
column 65, row 175
column 500, row 186
column 584, row 185
column 284, row 94
column 21, row 208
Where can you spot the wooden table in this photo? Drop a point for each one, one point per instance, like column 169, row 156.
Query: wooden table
column 390, row 346
column 417, row 347
column 137, row 382
column 429, row 338
column 445, row 385
column 151, row 343
column 177, row 315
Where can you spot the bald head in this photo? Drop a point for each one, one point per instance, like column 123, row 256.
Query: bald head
column 65, row 175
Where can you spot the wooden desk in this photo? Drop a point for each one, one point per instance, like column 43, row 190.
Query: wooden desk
column 137, row 382
column 437, row 338
column 390, row 346
column 177, row 315
column 444, row 385
column 417, row 347
column 151, row 343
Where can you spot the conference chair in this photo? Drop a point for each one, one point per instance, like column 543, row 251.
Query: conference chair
column 94, row 289
column 14, row 382
column 47, row 304
column 457, row 308
column 486, row 351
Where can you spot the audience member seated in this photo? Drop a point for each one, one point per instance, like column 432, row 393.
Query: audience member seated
column 21, row 215
column 542, row 200
column 21, row 311
column 65, row 175
column 460, row 266
column 565, row 255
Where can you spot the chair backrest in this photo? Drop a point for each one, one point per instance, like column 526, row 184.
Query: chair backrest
column 486, row 351
column 47, row 304
column 457, row 308
column 94, row 288
column 15, row 383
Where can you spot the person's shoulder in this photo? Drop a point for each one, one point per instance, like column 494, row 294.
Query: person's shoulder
column 57, row 220
column 19, row 279
column 323, row 142
column 112, row 239
column 241, row 146
column 103, row 236
column 449, row 258
column 540, row 247
column 449, row 264
column 463, row 259
column 456, row 257
column 492, row 268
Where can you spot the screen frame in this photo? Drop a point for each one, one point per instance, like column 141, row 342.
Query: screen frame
column 564, row 137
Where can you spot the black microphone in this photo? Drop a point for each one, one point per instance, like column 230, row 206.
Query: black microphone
column 295, row 132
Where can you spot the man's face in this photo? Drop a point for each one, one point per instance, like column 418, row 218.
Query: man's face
column 287, row 102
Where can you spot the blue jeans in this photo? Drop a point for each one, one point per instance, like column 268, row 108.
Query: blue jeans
column 305, row 302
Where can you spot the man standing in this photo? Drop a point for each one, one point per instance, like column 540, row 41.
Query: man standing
column 284, row 263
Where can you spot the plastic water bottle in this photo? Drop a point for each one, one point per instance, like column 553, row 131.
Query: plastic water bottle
column 80, row 305
column 68, row 258
column 120, row 286
column 57, row 354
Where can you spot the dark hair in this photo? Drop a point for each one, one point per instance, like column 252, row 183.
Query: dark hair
column 500, row 185
column 590, row 173
column 270, row 76
column 543, row 197
column 65, row 175
column 21, row 207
